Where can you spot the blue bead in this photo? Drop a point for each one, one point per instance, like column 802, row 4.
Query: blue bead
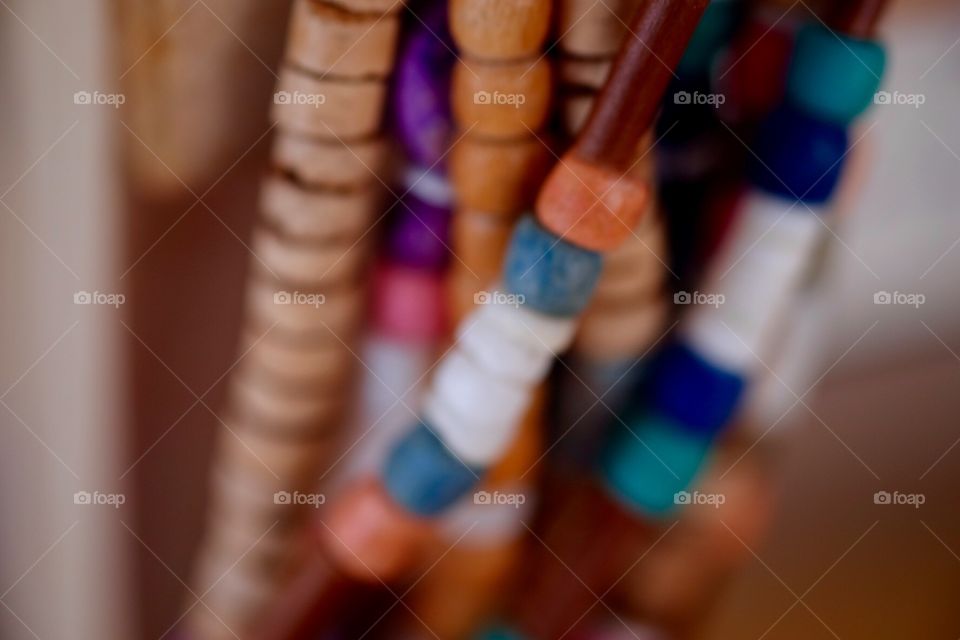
column 646, row 465
column 711, row 34
column 832, row 76
column 798, row 157
column 692, row 392
column 553, row 276
column 423, row 476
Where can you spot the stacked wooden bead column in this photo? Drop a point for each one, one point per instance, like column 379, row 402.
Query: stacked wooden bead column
column 304, row 305
column 501, row 97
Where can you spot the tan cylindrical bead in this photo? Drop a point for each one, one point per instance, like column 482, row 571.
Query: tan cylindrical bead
column 480, row 241
column 258, row 451
column 328, row 108
column 500, row 30
column 497, row 177
column 327, row 39
column 609, row 332
column 272, row 410
column 299, row 315
column 306, row 264
column 503, row 101
column 329, row 163
column 375, row 7
column 296, row 364
column 585, row 73
column 316, row 214
column 593, row 29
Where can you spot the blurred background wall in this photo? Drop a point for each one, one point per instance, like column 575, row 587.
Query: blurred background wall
column 118, row 400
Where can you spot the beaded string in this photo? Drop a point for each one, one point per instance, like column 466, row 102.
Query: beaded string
column 303, row 303
column 832, row 79
column 484, row 383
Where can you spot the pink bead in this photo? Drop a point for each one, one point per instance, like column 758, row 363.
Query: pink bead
column 409, row 303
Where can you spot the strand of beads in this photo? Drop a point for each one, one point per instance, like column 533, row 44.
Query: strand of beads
column 304, row 303
column 691, row 398
column 800, row 150
column 485, row 382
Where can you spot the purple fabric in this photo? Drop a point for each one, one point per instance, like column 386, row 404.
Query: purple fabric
column 418, row 235
column 421, row 91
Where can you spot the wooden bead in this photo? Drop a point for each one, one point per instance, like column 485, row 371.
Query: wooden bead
column 575, row 109
column 608, row 332
column 472, row 409
column 497, row 177
column 304, row 316
column 370, row 537
column 588, row 73
column 306, row 264
column 273, row 410
column 327, row 39
column 316, row 214
column 593, row 29
column 295, row 364
column 253, row 451
column 329, row 163
column 519, row 463
column 636, row 269
column 591, row 206
column 480, row 242
column 375, row 7
column 503, row 101
column 462, row 288
column 328, row 108
column 500, row 30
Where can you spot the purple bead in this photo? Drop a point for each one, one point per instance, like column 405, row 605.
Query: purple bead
column 418, row 235
column 421, row 91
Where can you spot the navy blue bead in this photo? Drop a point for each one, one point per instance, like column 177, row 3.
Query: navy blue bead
column 423, row 476
column 798, row 156
column 553, row 276
column 692, row 392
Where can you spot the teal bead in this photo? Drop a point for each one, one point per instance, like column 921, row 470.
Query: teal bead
column 646, row 468
column 499, row 633
column 834, row 77
column 711, row 34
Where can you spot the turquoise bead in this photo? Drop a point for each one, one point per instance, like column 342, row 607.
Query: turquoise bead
column 499, row 633
column 422, row 475
column 646, row 468
column 832, row 76
column 710, row 35
column 547, row 273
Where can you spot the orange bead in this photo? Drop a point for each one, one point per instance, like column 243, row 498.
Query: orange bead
column 590, row 206
column 370, row 537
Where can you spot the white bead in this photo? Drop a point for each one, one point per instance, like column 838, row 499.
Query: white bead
column 513, row 343
column 756, row 272
column 429, row 186
column 472, row 410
